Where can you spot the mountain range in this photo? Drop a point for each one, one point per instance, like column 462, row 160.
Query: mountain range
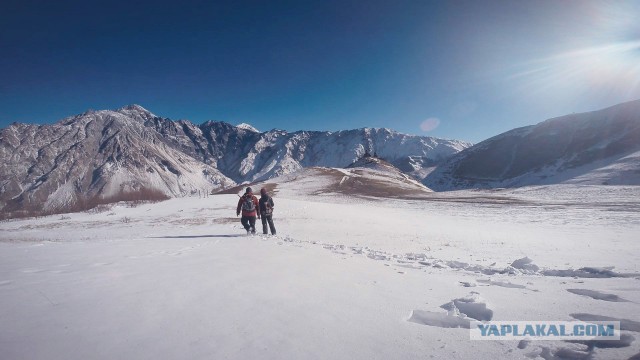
column 105, row 154
column 110, row 153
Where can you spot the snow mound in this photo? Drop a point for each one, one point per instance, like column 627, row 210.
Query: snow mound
column 525, row 264
column 458, row 315
column 471, row 306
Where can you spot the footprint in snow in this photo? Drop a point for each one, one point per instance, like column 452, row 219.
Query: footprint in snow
column 625, row 324
column 439, row 319
column 460, row 313
column 504, row 284
column 410, row 266
column 597, row 295
column 624, row 341
column 472, row 306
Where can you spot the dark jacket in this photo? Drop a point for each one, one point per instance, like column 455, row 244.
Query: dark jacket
column 266, row 205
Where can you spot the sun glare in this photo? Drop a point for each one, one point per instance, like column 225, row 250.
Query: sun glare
column 606, row 60
column 606, row 63
column 610, row 68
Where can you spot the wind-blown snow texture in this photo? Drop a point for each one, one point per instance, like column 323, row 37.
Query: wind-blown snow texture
column 599, row 148
column 102, row 153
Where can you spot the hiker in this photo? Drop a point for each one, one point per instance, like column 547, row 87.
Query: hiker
column 266, row 210
column 248, row 204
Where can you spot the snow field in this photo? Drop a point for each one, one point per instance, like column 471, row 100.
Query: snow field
column 353, row 279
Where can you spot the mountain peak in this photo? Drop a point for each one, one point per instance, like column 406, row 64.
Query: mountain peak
column 246, row 126
column 134, row 108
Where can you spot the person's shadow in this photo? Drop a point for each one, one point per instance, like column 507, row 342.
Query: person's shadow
column 197, row 236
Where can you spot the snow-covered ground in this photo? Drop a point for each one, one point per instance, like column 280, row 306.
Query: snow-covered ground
column 346, row 277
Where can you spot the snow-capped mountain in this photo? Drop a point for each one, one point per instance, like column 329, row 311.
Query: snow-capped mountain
column 599, row 147
column 103, row 154
column 97, row 154
column 278, row 152
column 246, row 126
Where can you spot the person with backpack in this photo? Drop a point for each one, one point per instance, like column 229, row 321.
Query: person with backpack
column 248, row 204
column 266, row 210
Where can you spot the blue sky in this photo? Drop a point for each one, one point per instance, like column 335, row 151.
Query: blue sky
column 470, row 69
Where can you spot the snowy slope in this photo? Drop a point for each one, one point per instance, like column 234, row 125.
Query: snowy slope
column 98, row 154
column 368, row 177
column 358, row 279
column 598, row 147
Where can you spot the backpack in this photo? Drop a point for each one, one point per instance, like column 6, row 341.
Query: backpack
column 268, row 209
column 248, row 204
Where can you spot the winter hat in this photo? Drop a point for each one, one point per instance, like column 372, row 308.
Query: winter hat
column 249, row 190
column 263, row 191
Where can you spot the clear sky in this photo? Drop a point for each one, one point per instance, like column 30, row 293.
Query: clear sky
column 454, row 69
